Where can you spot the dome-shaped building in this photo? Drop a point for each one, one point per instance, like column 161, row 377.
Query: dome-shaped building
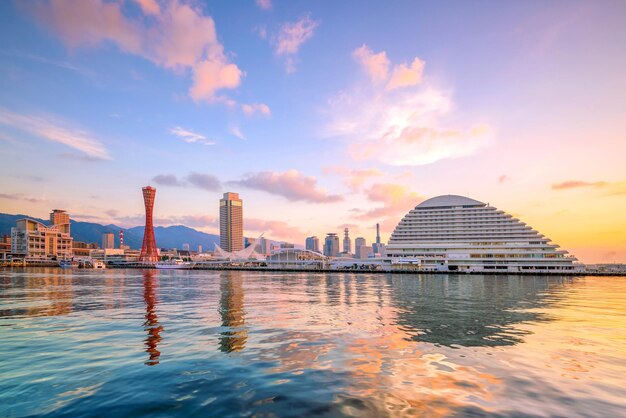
column 456, row 233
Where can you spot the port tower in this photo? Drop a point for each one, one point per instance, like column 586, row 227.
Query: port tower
column 149, row 253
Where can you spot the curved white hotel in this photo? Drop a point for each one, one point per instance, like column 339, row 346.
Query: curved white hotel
column 452, row 232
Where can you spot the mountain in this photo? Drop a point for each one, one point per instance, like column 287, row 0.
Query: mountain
column 166, row 237
column 177, row 235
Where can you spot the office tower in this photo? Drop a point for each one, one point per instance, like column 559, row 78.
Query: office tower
column 149, row 252
column 376, row 246
column 199, row 249
column 108, row 240
column 331, row 245
column 359, row 242
column 364, row 251
column 313, row 244
column 263, row 246
column 185, row 247
column 347, row 246
column 231, row 222
column 60, row 219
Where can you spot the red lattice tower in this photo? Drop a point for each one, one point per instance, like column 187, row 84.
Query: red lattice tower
column 149, row 252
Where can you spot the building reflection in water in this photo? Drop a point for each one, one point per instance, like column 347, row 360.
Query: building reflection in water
column 151, row 324
column 231, row 310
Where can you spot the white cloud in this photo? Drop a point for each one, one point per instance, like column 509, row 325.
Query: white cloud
column 236, row 131
column 55, row 130
column 190, row 137
column 399, row 120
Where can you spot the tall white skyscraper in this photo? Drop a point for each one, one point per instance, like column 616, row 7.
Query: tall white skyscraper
column 231, row 222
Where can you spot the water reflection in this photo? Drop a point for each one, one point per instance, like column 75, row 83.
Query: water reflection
column 151, row 323
column 232, row 312
column 472, row 311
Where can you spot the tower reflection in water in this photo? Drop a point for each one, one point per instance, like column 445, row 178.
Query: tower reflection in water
column 232, row 312
column 151, row 324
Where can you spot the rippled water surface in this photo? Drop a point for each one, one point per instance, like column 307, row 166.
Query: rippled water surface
column 132, row 342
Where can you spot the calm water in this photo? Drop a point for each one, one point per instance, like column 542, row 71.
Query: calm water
column 134, row 342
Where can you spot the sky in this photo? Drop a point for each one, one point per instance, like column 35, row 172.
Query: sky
column 321, row 115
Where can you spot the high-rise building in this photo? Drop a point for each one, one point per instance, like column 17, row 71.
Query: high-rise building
column 60, row 219
column 263, row 246
column 199, row 249
column 313, row 244
column 108, row 240
column 359, row 242
column 347, row 246
column 149, row 252
column 331, row 245
column 185, row 247
column 377, row 247
column 364, row 251
column 231, row 222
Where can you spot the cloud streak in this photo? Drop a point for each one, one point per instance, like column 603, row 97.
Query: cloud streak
column 20, row 196
column 291, row 185
column 54, row 130
column 202, row 181
column 610, row 188
column 190, row 136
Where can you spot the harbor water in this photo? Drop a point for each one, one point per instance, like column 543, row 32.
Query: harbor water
column 241, row 343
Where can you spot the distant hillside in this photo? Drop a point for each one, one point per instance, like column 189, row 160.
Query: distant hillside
column 166, row 237
column 177, row 235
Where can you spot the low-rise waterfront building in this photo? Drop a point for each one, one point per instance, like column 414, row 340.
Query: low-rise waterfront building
column 83, row 249
column 33, row 239
column 5, row 246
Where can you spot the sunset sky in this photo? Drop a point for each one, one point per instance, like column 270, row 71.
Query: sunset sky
column 320, row 114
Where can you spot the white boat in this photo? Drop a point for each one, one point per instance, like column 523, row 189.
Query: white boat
column 98, row 264
column 66, row 264
column 175, row 263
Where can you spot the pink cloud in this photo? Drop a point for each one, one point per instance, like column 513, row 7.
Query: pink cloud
column 573, row 184
column 150, row 7
column 610, row 188
column 375, row 65
column 291, row 37
column 252, row 108
column 274, row 229
column 354, row 178
column 264, row 4
column 291, row 185
column 404, row 76
column 396, row 199
column 178, row 37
